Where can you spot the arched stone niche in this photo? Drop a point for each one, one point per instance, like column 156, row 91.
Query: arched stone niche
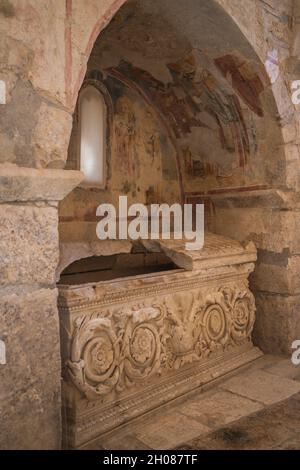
column 195, row 118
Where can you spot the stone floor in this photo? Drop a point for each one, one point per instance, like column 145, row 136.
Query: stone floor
column 258, row 408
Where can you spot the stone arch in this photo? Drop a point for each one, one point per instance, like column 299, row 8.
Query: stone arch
column 232, row 12
column 227, row 15
column 241, row 18
column 94, row 29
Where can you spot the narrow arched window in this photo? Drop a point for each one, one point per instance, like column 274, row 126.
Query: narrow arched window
column 92, row 125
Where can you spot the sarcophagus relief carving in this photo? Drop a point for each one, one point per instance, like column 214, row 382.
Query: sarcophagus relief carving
column 132, row 344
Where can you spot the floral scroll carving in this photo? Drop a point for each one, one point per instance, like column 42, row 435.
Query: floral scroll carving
column 241, row 304
column 114, row 350
column 95, row 356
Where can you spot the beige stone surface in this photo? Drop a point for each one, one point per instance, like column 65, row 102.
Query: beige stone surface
column 77, row 231
column 279, row 274
column 232, row 421
column 30, row 393
column 20, row 184
column 28, row 244
column 262, row 387
column 22, row 23
column 272, row 428
column 269, row 229
column 51, row 136
column 284, row 368
column 228, row 251
column 122, row 440
column 277, row 322
column 264, row 361
column 216, row 409
column 169, row 430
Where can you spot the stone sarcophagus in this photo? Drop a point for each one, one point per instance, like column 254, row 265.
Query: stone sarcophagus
column 132, row 344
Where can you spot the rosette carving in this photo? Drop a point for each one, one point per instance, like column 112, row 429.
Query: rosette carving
column 242, row 307
column 142, row 344
column 113, row 353
column 126, row 346
column 94, row 363
column 214, row 324
column 213, row 318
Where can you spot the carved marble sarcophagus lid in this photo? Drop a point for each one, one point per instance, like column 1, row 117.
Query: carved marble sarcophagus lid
column 134, row 343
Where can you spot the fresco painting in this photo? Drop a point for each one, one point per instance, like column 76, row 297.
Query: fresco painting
column 200, row 104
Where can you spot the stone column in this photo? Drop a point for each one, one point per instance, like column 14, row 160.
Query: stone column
column 30, row 381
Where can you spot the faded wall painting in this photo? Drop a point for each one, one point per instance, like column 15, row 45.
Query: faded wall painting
column 213, row 130
column 186, row 118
